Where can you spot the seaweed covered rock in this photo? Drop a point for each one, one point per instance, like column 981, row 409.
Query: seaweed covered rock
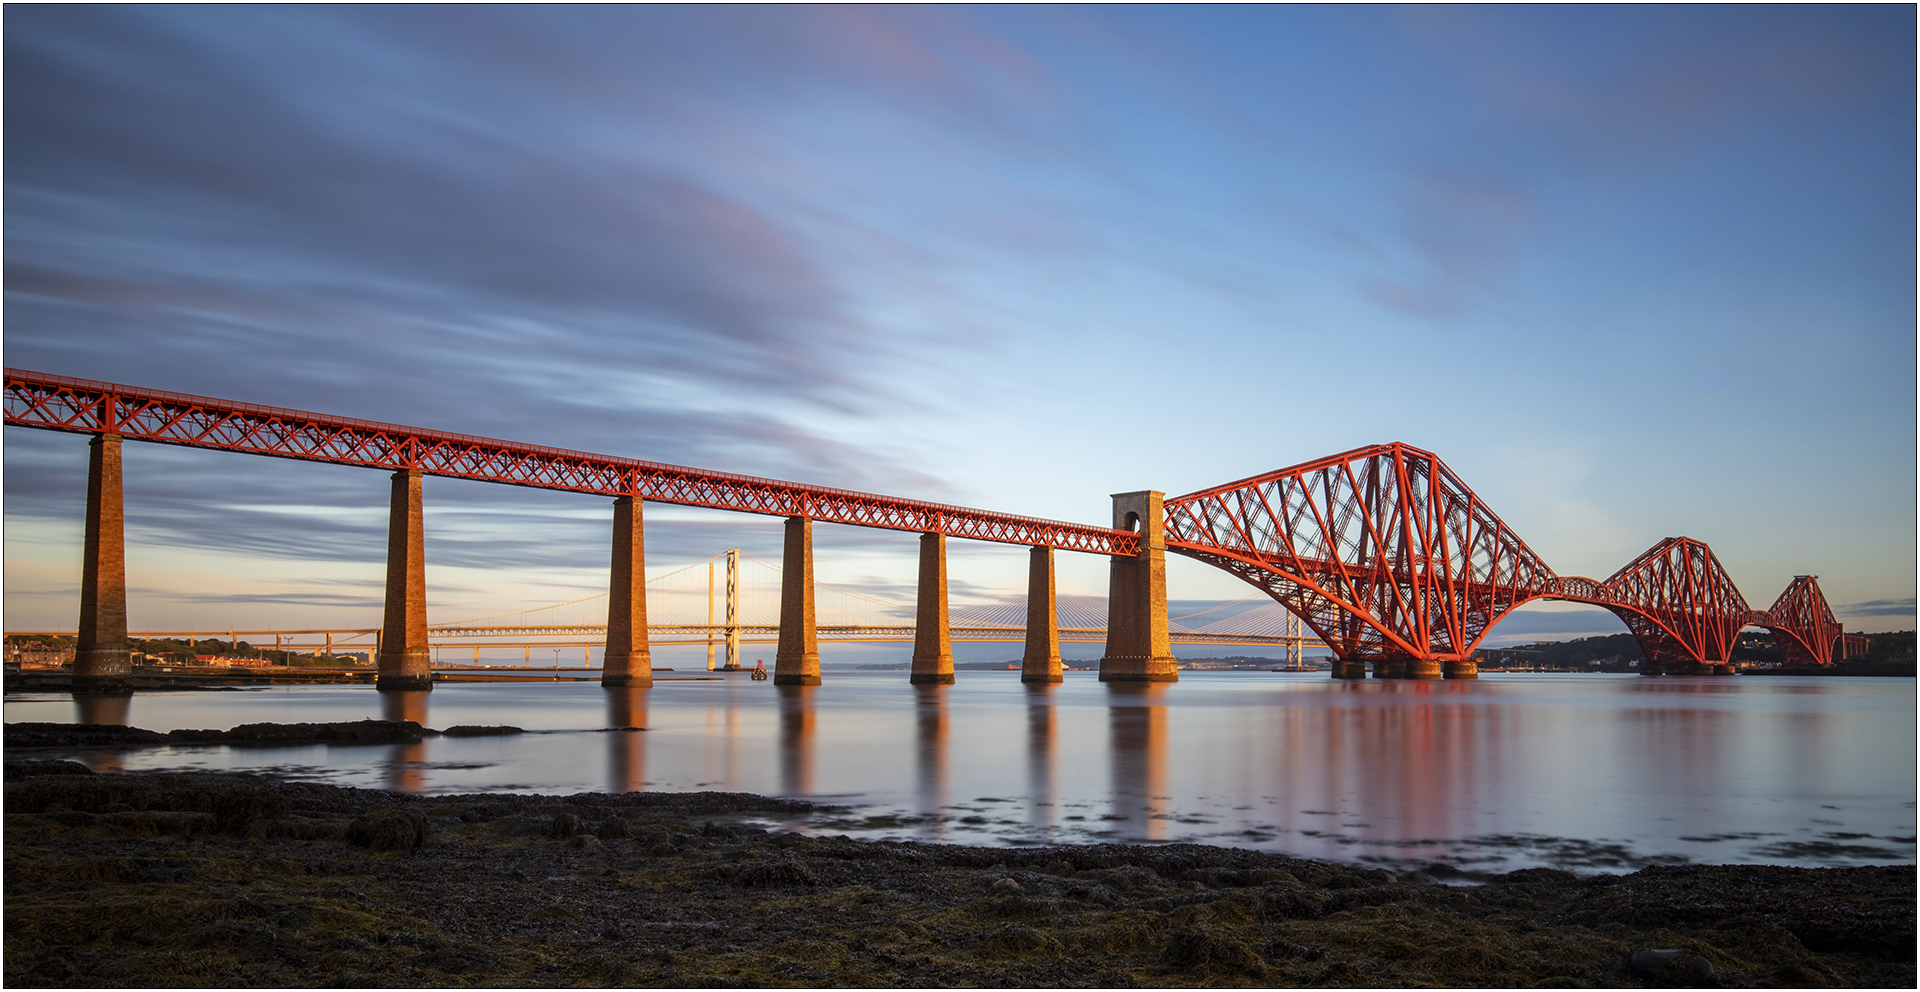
column 120, row 880
column 33, row 767
column 1011, row 940
column 777, row 873
column 79, row 735
column 1855, row 910
column 237, row 808
column 345, row 732
column 1211, row 950
column 398, row 830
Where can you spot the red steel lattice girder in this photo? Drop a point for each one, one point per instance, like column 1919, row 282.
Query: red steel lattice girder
column 83, row 406
column 1802, row 623
column 1383, row 551
column 1682, row 606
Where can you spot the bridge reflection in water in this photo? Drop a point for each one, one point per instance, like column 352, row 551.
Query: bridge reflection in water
column 406, row 763
column 106, row 709
column 626, row 738
column 930, row 755
column 796, row 738
column 1583, row 771
column 1137, row 715
column 1040, row 762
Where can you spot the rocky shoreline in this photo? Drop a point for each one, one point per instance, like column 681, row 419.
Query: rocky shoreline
column 35, row 735
column 166, row 879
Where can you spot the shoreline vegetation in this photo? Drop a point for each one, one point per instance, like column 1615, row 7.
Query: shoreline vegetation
column 201, row 879
column 44, row 659
column 147, row 679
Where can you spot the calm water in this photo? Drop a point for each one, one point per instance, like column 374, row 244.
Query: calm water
column 1587, row 772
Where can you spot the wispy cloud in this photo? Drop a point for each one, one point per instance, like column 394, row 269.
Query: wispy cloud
column 1878, row 608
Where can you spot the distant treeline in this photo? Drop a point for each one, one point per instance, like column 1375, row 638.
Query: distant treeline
column 1891, row 646
column 182, row 651
column 1759, row 645
column 1609, row 653
column 1613, row 652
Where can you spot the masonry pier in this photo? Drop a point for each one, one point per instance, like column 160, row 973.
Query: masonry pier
column 628, row 661
column 797, row 661
column 932, row 638
column 405, row 662
column 101, row 658
column 1461, row 669
column 1041, row 662
column 1138, row 648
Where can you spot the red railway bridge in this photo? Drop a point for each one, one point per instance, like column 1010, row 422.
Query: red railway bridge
column 1382, row 550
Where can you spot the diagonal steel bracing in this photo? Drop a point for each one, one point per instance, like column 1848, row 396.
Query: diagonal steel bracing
column 1384, row 552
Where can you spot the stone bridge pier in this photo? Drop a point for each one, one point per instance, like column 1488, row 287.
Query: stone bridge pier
column 797, row 660
column 405, row 661
column 628, row 660
column 1138, row 646
column 932, row 635
column 102, row 658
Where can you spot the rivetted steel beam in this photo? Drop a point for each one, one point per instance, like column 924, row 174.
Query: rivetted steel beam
column 51, row 402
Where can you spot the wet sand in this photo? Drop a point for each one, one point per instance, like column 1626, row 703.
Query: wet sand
column 154, row 879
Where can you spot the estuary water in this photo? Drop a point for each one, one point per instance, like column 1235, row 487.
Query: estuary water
column 1583, row 772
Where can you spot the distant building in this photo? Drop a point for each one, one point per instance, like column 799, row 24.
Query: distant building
column 39, row 655
column 214, row 659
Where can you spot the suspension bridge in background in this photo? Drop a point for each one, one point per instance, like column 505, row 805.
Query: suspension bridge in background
column 733, row 599
column 1382, row 552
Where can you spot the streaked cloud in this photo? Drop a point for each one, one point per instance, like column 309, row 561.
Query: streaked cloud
column 1019, row 257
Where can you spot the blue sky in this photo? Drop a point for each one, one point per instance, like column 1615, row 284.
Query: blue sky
column 1633, row 272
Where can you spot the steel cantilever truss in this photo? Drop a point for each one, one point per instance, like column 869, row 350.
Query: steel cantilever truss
column 1802, row 623
column 1384, row 552
column 82, row 406
column 1680, row 604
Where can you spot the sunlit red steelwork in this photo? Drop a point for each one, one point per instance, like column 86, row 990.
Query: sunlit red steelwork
column 1385, row 553
column 1382, row 550
column 83, row 406
column 1680, row 604
column 1802, row 623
